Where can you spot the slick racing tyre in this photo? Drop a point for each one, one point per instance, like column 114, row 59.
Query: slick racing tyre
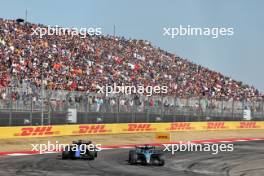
column 132, row 157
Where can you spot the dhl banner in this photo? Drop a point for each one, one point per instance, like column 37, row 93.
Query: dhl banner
column 84, row 129
column 163, row 136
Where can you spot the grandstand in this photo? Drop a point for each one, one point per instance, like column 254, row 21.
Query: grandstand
column 47, row 76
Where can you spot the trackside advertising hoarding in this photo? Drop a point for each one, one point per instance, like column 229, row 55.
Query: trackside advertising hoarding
column 85, row 129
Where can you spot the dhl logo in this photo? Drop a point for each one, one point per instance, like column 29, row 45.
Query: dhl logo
column 248, row 125
column 215, row 125
column 162, row 137
column 180, row 126
column 140, row 127
column 37, row 131
column 92, row 129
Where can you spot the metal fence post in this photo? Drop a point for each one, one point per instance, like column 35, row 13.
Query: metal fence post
column 187, row 105
column 243, row 104
column 42, row 95
column 49, row 120
column 200, row 113
column 262, row 114
column 222, row 107
column 174, row 109
column 118, row 109
column 31, row 110
column 146, row 108
column 162, row 107
column 10, row 109
column 233, row 106
column 42, row 106
column 86, row 107
column 211, row 106
column 252, row 108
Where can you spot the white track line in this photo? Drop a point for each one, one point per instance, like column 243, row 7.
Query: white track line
column 18, row 154
column 207, row 142
column 226, row 141
column 126, row 147
column 257, row 139
column 50, row 152
column 241, row 140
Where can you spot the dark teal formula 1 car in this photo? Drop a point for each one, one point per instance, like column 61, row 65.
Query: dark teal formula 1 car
column 146, row 155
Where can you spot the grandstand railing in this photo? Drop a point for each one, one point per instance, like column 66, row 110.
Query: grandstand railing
column 27, row 100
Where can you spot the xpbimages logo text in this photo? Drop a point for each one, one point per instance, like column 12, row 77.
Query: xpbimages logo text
column 193, row 147
column 56, row 147
column 56, row 30
column 127, row 90
column 213, row 32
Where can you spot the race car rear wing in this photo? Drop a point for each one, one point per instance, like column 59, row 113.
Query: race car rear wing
column 79, row 142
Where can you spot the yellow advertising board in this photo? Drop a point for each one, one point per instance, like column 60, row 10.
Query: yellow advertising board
column 84, row 129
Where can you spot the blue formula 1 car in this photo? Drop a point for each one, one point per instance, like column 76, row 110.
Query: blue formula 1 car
column 79, row 150
column 146, row 155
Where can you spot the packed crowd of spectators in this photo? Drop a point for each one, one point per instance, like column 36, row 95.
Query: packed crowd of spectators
column 82, row 64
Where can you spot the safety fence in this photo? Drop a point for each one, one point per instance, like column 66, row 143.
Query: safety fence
column 88, row 129
column 28, row 106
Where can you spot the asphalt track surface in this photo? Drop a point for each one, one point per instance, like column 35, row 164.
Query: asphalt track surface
column 247, row 159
